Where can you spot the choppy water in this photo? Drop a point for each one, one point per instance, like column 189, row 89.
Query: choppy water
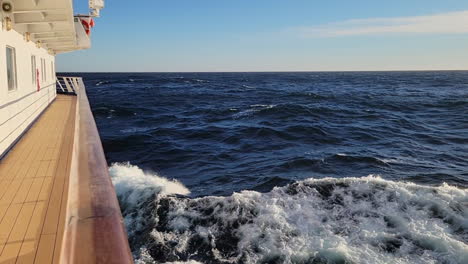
column 274, row 167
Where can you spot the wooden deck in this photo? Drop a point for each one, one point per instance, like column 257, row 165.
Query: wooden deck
column 34, row 178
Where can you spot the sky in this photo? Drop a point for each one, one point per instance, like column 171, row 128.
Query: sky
column 274, row 35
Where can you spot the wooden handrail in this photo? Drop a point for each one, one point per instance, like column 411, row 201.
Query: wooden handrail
column 94, row 229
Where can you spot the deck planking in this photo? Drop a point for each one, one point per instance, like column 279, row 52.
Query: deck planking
column 34, row 178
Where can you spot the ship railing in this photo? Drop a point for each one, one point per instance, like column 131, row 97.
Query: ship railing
column 68, row 85
column 94, row 231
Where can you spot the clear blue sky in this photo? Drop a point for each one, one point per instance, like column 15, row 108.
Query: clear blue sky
column 273, row 35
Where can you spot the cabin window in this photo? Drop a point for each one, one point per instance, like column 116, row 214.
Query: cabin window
column 43, row 77
column 52, row 70
column 43, row 73
column 11, row 68
column 42, row 70
column 33, row 70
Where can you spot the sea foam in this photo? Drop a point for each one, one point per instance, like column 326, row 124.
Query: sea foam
column 348, row 220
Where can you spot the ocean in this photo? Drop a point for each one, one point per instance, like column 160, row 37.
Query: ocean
column 306, row 167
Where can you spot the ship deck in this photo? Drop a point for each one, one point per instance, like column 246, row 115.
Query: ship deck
column 34, row 178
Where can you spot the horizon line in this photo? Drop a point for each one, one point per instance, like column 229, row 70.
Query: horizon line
column 300, row 71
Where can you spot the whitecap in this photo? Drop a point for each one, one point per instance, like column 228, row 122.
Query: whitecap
column 133, row 130
column 130, row 181
column 349, row 220
column 253, row 109
column 101, row 83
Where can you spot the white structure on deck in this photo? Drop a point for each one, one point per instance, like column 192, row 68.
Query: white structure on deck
column 32, row 32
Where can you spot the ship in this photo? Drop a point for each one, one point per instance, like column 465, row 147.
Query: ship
column 57, row 201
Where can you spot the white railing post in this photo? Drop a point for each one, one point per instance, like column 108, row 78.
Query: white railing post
column 72, row 84
column 60, row 85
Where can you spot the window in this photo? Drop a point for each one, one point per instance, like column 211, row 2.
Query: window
column 42, row 71
column 33, row 70
column 11, row 68
column 45, row 70
column 52, row 70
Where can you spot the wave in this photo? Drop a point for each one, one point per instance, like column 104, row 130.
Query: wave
column 115, row 112
column 252, row 110
column 340, row 157
column 132, row 182
column 291, row 110
column 348, row 220
column 335, row 160
column 133, row 130
column 99, row 83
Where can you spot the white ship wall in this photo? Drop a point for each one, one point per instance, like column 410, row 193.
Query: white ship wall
column 20, row 108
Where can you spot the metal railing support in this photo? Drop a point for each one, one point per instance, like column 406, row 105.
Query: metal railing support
column 68, row 85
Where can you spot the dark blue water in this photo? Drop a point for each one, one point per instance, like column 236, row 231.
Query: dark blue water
column 219, row 133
